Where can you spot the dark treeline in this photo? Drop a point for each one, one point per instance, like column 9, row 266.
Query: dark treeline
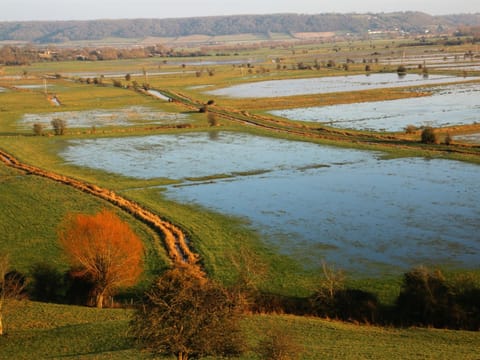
column 426, row 298
column 62, row 31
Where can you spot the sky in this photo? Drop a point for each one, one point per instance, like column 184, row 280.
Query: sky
column 20, row 10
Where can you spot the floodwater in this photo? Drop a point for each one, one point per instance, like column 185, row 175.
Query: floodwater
column 322, row 85
column 158, row 95
column 470, row 138
column 133, row 115
column 314, row 202
column 447, row 106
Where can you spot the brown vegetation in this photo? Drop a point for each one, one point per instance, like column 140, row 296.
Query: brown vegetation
column 103, row 250
column 187, row 315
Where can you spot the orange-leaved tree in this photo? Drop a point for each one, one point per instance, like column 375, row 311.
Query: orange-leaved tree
column 103, row 250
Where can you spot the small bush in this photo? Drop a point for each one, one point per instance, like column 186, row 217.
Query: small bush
column 410, row 129
column 429, row 136
column 59, row 126
column 38, row 129
column 425, row 299
column 448, row 139
column 401, row 70
column 278, row 345
column 47, row 283
column 117, row 83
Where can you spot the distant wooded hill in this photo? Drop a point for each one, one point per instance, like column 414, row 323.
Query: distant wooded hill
column 64, row 31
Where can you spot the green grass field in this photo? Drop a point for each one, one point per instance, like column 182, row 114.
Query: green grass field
column 48, row 331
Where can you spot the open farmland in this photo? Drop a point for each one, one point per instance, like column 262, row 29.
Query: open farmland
column 238, row 180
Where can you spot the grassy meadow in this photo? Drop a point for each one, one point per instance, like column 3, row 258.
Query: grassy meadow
column 40, row 331
column 31, row 208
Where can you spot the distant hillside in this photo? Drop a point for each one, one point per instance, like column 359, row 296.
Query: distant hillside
column 63, row 31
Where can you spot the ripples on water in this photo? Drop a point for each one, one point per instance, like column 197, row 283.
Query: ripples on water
column 314, row 202
column 447, row 106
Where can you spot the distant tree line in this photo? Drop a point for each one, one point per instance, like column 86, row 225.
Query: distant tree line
column 25, row 55
column 63, row 31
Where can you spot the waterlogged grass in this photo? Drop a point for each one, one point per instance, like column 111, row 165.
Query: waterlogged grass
column 76, row 97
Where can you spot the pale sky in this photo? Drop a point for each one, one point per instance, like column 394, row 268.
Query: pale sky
column 18, row 10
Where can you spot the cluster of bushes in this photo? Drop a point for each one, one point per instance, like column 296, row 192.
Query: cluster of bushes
column 47, row 284
column 426, row 298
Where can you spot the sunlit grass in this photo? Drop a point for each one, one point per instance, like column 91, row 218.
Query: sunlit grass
column 40, row 331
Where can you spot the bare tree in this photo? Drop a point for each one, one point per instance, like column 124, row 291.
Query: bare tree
column 104, row 250
column 187, row 315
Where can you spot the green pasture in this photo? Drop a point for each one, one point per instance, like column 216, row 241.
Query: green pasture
column 41, row 331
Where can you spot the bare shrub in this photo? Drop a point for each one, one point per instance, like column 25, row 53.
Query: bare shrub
column 278, row 344
column 448, row 139
column 410, row 129
column 186, row 315
column 38, row 129
column 59, row 126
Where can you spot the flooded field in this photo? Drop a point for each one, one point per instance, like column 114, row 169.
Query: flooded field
column 314, row 202
column 447, row 106
column 275, row 88
column 134, row 115
column 432, row 61
column 470, row 138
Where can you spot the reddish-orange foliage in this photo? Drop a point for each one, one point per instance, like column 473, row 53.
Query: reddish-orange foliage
column 103, row 249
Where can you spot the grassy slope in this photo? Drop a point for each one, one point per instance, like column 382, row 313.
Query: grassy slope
column 31, row 208
column 39, row 331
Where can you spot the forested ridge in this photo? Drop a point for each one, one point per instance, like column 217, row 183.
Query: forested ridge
column 63, row 31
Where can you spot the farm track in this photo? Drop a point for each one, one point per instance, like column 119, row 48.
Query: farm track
column 173, row 237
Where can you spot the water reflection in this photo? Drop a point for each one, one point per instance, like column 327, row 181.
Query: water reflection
column 322, row 85
column 315, row 202
column 447, row 106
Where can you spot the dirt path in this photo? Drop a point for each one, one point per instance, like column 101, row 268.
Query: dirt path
column 173, row 237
